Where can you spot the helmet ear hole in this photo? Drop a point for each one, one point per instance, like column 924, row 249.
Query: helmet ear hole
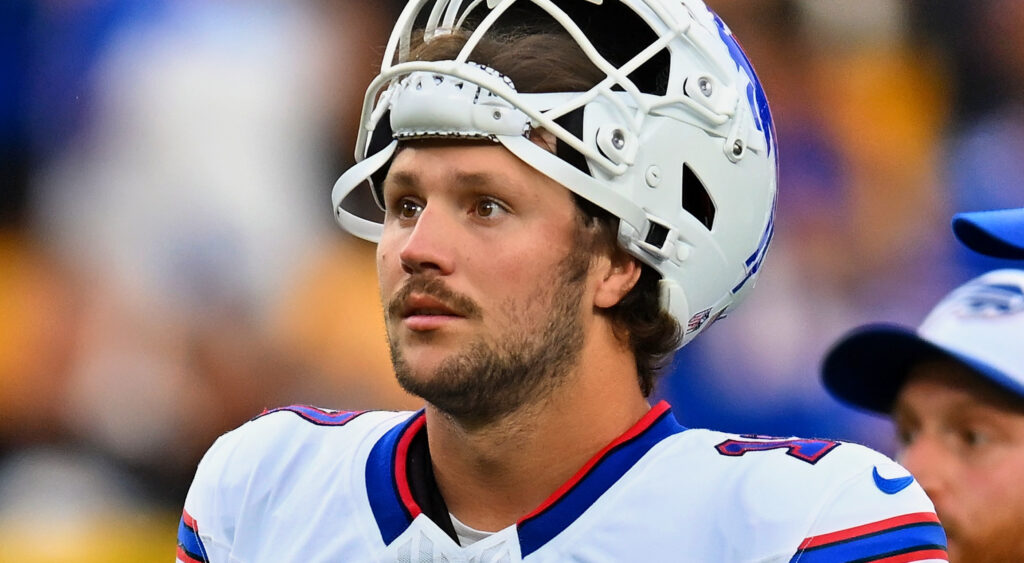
column 656, row 235
column 695, row 198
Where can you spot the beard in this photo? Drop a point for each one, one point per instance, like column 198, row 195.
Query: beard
column 990, row 544
column 496, row 376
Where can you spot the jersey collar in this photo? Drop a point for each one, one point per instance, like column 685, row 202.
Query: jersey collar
column 394, row 508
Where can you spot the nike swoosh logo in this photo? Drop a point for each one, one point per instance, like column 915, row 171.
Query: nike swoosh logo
column 891, row 486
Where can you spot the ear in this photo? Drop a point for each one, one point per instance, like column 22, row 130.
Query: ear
column 619, row 276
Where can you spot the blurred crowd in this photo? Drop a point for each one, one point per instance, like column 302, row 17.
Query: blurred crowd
column 169, row 267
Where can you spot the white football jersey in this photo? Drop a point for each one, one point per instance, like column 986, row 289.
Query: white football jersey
column 304, row 484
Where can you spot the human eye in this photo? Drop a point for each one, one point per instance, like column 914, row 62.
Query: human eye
column 488, row 208
column 906, row 435
column 974, row 437
column 906, row 425
column 406, row 208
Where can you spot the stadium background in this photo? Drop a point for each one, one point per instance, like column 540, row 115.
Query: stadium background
column 169, row 266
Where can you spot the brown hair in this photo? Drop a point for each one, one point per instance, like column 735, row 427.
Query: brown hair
column 541, row 62
column 553, row 62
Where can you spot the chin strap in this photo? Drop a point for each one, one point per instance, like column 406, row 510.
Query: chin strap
column 349, row 181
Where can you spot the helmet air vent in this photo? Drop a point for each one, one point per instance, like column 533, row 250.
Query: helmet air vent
column 696, row 200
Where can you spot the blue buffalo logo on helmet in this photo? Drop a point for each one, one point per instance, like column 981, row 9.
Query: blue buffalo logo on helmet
column 756, row 97
column 989, row 300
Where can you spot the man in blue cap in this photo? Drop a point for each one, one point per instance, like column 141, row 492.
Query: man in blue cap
column 955, row 390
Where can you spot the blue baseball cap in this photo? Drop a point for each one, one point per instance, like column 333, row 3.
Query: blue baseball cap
column 997, row 233
column 980, row 325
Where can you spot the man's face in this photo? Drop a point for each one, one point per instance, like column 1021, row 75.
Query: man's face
column 964, row 442
column 480, row 278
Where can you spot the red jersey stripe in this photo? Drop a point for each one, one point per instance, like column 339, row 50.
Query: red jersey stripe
column 189, row 520
column 401, row 471
column 184, row 557
column 863, row 530
column 637, row 429
column 937, row 554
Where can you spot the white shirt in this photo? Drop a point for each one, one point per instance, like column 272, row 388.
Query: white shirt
column 466, row 535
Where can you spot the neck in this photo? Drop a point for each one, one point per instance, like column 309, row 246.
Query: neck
column 494, row 473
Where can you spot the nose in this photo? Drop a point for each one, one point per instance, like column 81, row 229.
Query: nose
column 430, row 243
column 928, row 462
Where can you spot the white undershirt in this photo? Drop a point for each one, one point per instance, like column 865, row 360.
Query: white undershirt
column 467, row 536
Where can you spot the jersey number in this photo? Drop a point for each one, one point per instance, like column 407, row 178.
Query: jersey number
column 807, row 450
column 318, row 416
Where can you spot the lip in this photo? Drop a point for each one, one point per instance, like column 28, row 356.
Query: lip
column 423, row 313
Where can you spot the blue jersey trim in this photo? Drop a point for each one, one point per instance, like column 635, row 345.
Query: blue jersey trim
column 189, row 542
column 391, row 514
column 393, row 517
column 537, row 530
column 921, row 537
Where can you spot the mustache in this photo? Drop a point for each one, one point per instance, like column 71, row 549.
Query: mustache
column 436, row 288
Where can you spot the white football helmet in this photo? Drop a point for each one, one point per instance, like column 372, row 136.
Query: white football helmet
column 688, row 165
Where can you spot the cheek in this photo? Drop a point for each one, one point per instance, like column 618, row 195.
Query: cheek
column 388, row 252
column 532, row 257
column 389, row 268
column 1003, row 484
column 383, row 258
column 990, row 495
column 512, row 272
column 988, row 510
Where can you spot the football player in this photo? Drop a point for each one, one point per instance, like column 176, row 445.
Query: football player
column 568, row 191
column 955, row 390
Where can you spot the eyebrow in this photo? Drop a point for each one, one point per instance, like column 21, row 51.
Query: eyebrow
column 409, row 179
